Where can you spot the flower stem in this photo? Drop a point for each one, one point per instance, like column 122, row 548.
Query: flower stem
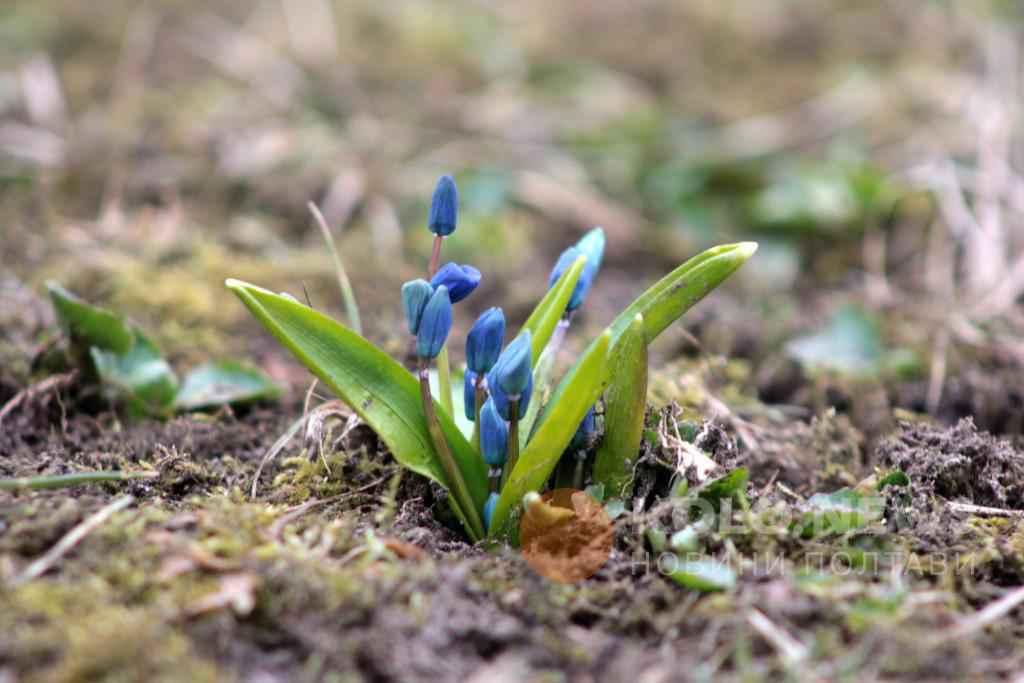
column 513, row 438
column 444, row 381
column 444, row 373
column 479, row 396
column 435, row 256
column 457, row 484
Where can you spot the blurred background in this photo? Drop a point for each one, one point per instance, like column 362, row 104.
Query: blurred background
column 148, row 150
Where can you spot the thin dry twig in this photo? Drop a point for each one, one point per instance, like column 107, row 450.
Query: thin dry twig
column 985, row 617
column 291, row 514
column 41, row 565
column 791, row 649
column 983, row 511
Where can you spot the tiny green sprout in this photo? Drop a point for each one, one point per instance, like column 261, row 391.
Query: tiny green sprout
column 522, row 417
column 108, row 350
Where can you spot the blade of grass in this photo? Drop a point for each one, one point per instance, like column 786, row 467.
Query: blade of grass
column 344, row 284
column 60, row 481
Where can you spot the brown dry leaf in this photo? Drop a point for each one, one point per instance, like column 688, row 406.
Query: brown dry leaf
column 404, row 550
column 237, row 591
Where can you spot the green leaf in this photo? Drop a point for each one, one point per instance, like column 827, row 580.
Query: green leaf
column 726, row 487
column 142, row 375
column 838, row 512
column 625, row 405
column 545, row 316
column 383, row 393
column 704, row 575
column 665, row 301
column 214, row 384
column 581, row 388
column 615, row 508
column 686, row 540
column 89, row 325
column 894, row 478
column 851, row 342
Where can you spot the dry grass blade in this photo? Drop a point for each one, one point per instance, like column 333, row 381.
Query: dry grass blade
column 344, row 284
column 40, row 566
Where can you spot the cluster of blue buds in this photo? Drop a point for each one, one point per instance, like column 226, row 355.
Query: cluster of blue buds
column 428, row 305
column 483, row 346
column 590, row 245
column 511, row 378
column 501, row 379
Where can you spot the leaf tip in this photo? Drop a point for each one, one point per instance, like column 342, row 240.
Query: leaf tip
column 745, row 250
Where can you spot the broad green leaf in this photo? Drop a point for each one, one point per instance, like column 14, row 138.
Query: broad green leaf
column 545, row 316
column 383, row 393
column 671, row 296
column 142, row 375
column 704, row 575
column 542, row 323
column 625, row 404
column 838, row 512
column 89, row 325
column 214, row 384
column 580, row 389
column 726, row 487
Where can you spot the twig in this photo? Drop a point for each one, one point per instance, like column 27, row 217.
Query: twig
column 991, row 614
column 42, row 387
column 64, row 480
column 791, row 649
column 291, row 514
column 38, row 567
column 983, row 511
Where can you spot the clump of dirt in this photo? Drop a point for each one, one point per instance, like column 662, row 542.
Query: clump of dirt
column 958, row 463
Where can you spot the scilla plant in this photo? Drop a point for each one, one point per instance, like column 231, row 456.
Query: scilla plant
column 519, row 422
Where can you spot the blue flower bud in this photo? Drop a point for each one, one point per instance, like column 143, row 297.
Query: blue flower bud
column 493, row 435
column 512, row 371
column 435, row 324
column 492, row 502
column 483, row 344
column 469, row 395
column 415, row 295
column 590, row 245
column 565, row 261
column 444, row 207
column 501, row 401
column 460, row 280
column 585, row 433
